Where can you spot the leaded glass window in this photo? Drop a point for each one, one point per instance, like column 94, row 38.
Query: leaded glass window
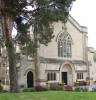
column 64, row 45
column 51, row 76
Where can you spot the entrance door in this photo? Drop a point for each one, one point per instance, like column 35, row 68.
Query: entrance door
column 64, row 77
column 30, row 79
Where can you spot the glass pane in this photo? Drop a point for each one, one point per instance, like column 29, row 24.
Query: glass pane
column 58, row 48
column 54, row 76
column 48, row 76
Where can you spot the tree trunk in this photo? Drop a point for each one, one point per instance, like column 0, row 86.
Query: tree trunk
column 13, row 76
column 36, row 55
column 37, row 64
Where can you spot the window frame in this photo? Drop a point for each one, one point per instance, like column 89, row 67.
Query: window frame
column 64, row 45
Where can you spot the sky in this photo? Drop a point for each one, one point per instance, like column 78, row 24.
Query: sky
column 84, row 12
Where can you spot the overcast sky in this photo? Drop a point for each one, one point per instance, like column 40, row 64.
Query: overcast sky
column 84, row 12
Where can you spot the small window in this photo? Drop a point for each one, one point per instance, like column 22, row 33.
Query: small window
column 48, row 76
column 80, row 75
column 51, row 76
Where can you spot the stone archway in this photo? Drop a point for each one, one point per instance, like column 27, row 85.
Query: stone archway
column 66, row 72
column 30, row 79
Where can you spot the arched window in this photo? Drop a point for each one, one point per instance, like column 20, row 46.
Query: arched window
column 54, row 76
column 51, row 76
column 64, row 45
column 48, row 76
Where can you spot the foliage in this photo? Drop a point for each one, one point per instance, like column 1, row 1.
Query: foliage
column 4, row 91
column 45, row 88
column 94, row 89
column 61, row 84
column 29, row 90
column 78, row 89
column 68, row 88
column 32, row 89
column 86, row 89
column 1, row 86
column 53, row 86
column 26, row 90
column 44, row 13
column 59, row 88
column 39, row 87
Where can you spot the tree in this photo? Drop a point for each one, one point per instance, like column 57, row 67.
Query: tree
column 41, row 16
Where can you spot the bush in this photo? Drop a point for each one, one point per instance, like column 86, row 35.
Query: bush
column 32, row 89
column 59, row 88
column 68, row 88
column 45, row 88
column 78, row 89
column 53, row 86
column 26, row 90
column 1, row 86
column 94, row 89
column 39, row 87
column 61, row 84
column 86, row 89
column 4, row 91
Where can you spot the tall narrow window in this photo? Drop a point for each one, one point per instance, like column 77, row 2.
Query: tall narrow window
column 54, row 76
column 48, row 76
column 64, row 45
column 51, row 76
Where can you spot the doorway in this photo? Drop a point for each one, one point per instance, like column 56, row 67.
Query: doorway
column 30, row 79
column 64, row 77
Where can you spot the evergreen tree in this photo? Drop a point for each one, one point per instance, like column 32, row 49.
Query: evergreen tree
column 43, row 14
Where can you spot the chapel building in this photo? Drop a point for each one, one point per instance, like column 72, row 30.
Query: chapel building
column 67, row 58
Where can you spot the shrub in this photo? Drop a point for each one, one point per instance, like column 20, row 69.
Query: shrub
column 1, row 86
column 59, row 88
column 26, row 90
column 4, row 91
column 68, row 88
column 45, row 88
column 78, row 89
column 53, row 86
column 32, row 89
column 94, row 89
column 61, row 84
column 39, row 87
column 29, row 90
column 86, row 89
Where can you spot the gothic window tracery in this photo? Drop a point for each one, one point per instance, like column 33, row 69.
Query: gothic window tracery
column 64, row 45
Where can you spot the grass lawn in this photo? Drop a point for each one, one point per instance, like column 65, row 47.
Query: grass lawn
column 49, row 95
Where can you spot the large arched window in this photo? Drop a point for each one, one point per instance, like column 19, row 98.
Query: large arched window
column 64, row 45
